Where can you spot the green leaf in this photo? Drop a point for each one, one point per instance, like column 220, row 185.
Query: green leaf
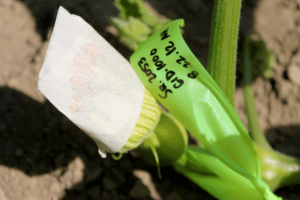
column 132, row 32
column 262, row 59
column 135, row 23
column 136, row 9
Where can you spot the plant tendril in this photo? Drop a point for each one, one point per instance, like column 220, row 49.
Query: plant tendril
column 117, row 157
column 156, row 160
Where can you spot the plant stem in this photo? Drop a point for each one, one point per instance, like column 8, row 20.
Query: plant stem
column 278, row 169
column 223, row 45
column 286, row 171
column 255, row 130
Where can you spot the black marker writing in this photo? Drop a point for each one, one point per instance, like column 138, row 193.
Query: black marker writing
column 143, row 65
column 164, row 34
column 164, row 89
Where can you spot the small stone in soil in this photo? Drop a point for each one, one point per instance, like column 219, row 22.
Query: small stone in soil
column 284, row 89
column 294, row 73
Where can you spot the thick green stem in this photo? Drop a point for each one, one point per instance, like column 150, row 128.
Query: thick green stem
column 223, row 45
column 255, row 130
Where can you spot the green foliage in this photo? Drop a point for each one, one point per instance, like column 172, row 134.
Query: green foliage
column 135, row 22
column 263, row 59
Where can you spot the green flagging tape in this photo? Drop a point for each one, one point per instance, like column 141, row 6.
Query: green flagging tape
column 175, row 77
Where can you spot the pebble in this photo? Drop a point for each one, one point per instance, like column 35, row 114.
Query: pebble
column 292, row 41
column 283, row 54
column 284, row 88
column 294, row 73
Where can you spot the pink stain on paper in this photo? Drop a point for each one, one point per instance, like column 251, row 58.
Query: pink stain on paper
column 83, row 74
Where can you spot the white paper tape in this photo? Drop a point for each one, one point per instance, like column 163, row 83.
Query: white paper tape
column 91, row 83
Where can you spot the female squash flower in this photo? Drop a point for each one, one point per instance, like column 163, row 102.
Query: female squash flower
column 95, row 87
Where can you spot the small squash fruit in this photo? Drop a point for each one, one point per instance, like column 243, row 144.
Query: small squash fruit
column 166, row 143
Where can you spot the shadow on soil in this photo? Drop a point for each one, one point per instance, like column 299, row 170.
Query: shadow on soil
column 37, row 139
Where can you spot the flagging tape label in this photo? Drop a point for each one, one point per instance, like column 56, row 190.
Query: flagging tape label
column 164, row 63
column 175, row 77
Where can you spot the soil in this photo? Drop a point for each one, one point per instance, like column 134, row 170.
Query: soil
column 45, row 156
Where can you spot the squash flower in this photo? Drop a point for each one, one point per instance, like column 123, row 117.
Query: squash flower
column 92, row 84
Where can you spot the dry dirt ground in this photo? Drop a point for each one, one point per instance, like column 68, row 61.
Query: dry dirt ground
column 43, row 156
